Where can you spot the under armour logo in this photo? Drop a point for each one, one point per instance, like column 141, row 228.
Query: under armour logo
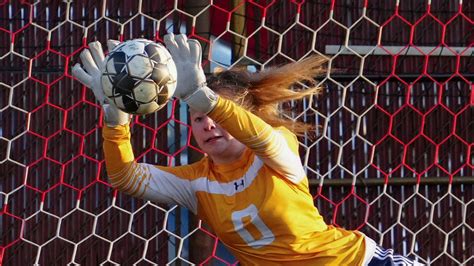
column 237, row 185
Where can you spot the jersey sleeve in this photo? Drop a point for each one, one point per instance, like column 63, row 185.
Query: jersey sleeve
column 156, row 183
column 278, row 148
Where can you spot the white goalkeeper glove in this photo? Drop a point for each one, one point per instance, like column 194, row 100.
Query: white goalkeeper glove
column 94, row 62
column 191, row 82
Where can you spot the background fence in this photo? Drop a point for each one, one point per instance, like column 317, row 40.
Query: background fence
column 393, row 158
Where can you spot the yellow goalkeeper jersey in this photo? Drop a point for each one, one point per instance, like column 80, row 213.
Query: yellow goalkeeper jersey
column 259, row 206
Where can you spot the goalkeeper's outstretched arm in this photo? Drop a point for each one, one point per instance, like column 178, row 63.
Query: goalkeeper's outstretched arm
column 141, row 180
column 156, row 183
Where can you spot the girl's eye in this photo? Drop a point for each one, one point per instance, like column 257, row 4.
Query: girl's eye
column 197, row 119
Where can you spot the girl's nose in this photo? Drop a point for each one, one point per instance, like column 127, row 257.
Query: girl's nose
column 209, row 125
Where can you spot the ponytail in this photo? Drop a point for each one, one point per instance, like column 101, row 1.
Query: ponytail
column 263, row 91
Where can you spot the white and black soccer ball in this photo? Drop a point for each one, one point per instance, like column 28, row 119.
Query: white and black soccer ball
column 139, row 76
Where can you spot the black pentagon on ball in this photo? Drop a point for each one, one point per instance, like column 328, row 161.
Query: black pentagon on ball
column 162, row 95
column 119, row 60
column 123, row 83
column 162, row 99
column 131, row 106
column 160, row 74
column 163, row 90
column 152, row 51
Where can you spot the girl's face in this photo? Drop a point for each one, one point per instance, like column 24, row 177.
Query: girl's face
column 219, row 145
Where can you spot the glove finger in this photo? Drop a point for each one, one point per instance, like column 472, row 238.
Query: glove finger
column 183, row 46
column 86, row 80
column 111, row 44
column 97, row 53
column 88, row 62
column 195, row 51
column 171, row 44
column 81, row 75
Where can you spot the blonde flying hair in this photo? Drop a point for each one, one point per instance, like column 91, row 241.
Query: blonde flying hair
column 261, row 92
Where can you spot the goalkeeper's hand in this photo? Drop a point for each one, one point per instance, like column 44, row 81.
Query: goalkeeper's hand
column 191, row 82
column 94, row 61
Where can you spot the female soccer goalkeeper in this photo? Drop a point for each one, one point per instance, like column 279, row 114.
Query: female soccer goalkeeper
column 251, row 187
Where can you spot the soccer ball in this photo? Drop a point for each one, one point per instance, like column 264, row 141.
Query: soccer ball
column 139, row 76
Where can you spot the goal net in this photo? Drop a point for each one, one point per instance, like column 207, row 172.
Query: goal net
column 393, row 157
